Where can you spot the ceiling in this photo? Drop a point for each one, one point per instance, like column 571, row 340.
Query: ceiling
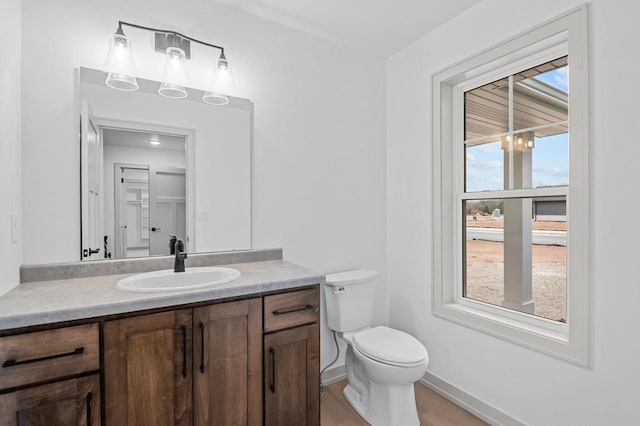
column 378, row 26
column 536, row 105
column 134, row 139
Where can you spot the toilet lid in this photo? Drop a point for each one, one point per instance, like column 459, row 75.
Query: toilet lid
column 390, row 346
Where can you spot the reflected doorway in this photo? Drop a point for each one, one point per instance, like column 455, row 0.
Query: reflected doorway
column 149, row 201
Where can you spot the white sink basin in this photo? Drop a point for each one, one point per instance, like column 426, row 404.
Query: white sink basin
column 167, row 280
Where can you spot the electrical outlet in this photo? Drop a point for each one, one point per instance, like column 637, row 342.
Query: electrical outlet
column 14, row 228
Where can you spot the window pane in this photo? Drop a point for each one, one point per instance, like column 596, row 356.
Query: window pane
column 541, row 98
column 484, row 251
column 486, row 110
column 551, row 161
column 484, row 167
column 515, row 254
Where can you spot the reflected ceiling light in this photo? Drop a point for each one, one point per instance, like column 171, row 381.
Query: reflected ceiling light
column 154, row 141
column 119, row 63
column 175, row 77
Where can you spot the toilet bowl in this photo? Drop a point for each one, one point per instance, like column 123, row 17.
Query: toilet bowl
column 381, row 363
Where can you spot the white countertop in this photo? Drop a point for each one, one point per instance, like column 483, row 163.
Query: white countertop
column 45, row 302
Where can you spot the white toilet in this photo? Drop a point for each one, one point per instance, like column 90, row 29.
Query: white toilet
column 381, row 363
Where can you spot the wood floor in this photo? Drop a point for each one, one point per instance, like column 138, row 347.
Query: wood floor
column 433, row 409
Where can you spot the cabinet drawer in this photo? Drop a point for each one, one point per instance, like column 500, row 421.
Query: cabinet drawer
column 291, row 309
column 44, row 355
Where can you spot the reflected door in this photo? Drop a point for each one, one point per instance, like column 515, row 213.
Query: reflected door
column 167, row 208
column 91, row 161
column 132, row 218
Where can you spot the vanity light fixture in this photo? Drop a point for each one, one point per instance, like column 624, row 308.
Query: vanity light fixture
column 175, row 78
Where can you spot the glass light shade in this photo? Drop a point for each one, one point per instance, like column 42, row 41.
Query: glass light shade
column 212, row 98
column 175, row 76
column 122, row 82
column 119, row 64
column 222, row 81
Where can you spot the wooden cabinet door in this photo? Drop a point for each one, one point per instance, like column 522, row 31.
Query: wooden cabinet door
column 147, row 370
column 227, row 363
column 292, row 377
column 74, row 402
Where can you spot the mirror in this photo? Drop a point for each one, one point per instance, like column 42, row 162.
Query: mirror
column 153, row 168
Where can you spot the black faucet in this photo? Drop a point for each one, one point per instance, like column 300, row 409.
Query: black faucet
column 181, row 255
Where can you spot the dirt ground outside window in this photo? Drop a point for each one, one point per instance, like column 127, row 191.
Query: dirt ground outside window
column 485, row 271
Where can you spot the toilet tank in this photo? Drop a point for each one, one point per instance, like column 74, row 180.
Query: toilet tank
column 349, row 299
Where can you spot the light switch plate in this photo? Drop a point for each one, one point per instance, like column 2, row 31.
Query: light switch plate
column 203, row 217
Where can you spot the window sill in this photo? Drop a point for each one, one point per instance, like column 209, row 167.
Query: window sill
column 541, row 334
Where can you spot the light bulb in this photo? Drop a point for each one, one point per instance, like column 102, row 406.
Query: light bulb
column 175, row 76
column 119, row 63
column 222, row 84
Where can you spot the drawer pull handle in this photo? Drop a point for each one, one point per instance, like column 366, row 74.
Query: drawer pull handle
column 13, row 362
column 292, row 310
column 272, row 381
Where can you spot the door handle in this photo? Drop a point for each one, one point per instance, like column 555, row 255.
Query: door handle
column 93, row 251
column 184, row 351
column 272, row 379
column 201, row 325
column 155, row 229
column 89, row 401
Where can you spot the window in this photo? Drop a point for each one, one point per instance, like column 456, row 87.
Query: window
column 516, row 138
column 510, row 186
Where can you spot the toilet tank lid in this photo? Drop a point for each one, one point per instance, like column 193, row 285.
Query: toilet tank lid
column 357, row 276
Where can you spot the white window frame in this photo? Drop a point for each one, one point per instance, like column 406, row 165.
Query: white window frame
column 565, row 34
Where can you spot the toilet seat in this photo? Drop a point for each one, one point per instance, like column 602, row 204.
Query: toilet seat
column 389, row 346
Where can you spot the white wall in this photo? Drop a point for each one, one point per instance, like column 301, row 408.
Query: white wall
column 529, row 386
column 9, row 143
column 319, row 172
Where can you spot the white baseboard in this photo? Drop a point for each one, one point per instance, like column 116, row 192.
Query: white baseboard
column 472, row 404
column 334, row 374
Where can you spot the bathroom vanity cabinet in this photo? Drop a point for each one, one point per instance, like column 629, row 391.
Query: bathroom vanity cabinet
column 200, row 364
